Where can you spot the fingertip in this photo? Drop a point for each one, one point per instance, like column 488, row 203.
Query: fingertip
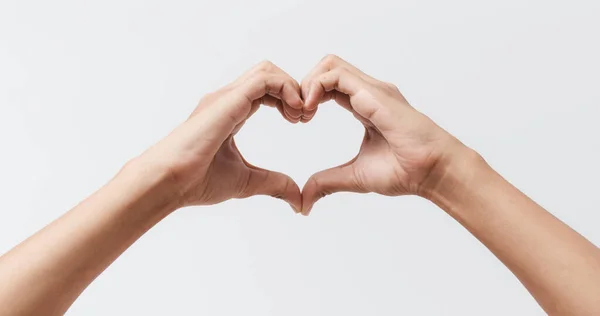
column 308, row 201
column 307, row 115
column 312, row 106
column 309, row 197
column 293, row 96
column 297, row 204
column 306, row 212
column 310, row 101
column 296, row 211
column 296, row 103
column 274, row 184
column 293, row 195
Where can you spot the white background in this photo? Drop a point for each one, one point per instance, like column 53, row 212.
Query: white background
column 85, row 86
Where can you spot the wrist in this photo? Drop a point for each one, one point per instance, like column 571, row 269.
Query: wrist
column 455, row 177
column 152, row 183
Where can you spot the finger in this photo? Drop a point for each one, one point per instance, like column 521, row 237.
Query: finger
column 263, row 66
column 291, row 115
column 276, row 85
column 233, row 107
column 308, row 115
column 361, row 100
column 340, row 98
column 292, row 112
column 270, row 68
column 327, row 64
column 268, row 101
column 238, row 103
column 339, row 79
column 233, row 104
column 338, row 179
column 275, row 184
column 278, row 104
column 294, row 85
column 265, row 182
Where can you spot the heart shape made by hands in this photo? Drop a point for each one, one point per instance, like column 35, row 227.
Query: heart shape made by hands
column 400, row 146
column 332, row 137
column 399, row 151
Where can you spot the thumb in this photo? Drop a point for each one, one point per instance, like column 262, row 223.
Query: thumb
column 275, row 184
column 326, row 182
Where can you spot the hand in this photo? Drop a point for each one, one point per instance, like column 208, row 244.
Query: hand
column 401, row 146
column 201, row 157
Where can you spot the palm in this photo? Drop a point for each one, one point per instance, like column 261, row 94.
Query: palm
column 376, row 168
column 227, row 175
column 391, row 167
column 208, row 167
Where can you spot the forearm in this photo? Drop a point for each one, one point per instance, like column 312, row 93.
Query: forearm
column 559, row 267
column 47, row 272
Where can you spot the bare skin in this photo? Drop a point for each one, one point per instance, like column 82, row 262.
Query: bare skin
column 197, row 164
column 403, row 153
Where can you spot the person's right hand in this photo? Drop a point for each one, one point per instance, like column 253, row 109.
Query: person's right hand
column 401, row 147
column 200, row 156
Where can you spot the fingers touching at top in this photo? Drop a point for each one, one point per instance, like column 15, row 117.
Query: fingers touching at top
column 313, row 91
column 334, row 78
column 331, row 79
column 280, row 90
column 264, row 83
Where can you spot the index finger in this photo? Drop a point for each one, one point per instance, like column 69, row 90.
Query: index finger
column 328, row 63
column 360, row 94
column 269, row 68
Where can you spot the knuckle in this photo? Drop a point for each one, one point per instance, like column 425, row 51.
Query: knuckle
column 280, row 190
column 261, row 75
column 391, row 86
column 289, row 184
column 338, row 72
column 331, row 59
column 257, row 79
column 315, row 181
column 290, row 81
column 320, row 190
column 265, row 65
column 207, row 97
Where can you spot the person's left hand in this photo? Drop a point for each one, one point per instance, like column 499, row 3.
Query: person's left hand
column 403, row 151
